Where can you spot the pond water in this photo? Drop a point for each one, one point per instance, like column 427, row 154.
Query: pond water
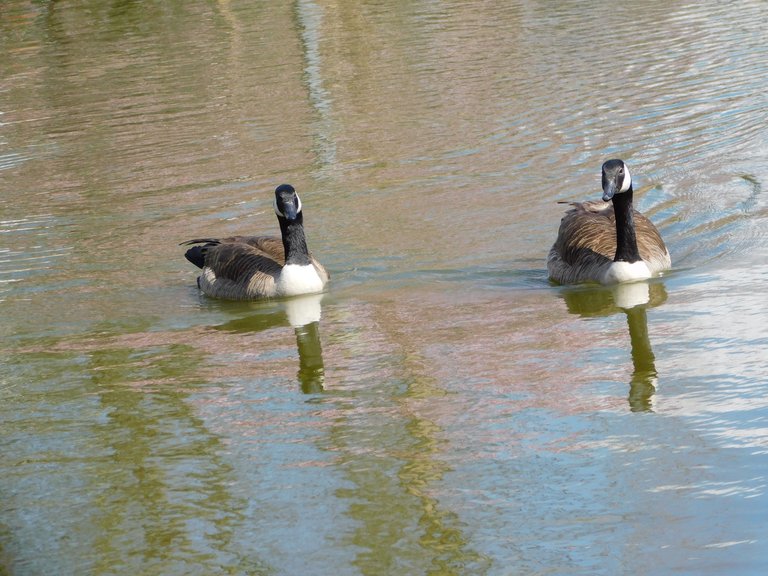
column 451, row 411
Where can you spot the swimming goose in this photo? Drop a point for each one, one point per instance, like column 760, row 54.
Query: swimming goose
column 253, row 267
column 607, row 242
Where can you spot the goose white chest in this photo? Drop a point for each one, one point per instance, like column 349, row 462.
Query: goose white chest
column 619, row 272
column 297, row 279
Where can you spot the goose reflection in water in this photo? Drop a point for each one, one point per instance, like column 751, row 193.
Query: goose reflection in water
column 633, row 300
column 303, row 315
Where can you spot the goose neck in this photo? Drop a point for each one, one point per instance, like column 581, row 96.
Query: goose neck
column 626, row 236
column 294, row 241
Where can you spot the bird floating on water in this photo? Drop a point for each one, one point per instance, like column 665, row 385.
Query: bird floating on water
column 607, row 241
column 255, row 267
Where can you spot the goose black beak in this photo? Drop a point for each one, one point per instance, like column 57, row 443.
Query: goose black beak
column 609, row 189
column 290, row 210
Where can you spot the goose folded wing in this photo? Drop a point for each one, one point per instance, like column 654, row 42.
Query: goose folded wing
column 271, row 246
column 586, row 232
column 240, row 261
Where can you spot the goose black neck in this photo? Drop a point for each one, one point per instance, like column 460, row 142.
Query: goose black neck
column 294, row 240
column 626, row 237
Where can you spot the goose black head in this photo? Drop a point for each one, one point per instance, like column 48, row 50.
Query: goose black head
column 287, row 202
column 616, row 179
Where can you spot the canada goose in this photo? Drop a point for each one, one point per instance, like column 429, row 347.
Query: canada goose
column 253, row 267
column 605, row 243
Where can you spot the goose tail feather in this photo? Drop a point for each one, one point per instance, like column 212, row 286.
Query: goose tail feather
column 213, row 241
column 196, row 255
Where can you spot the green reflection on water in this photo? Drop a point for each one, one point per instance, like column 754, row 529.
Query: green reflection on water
column 124, row 466
column 165, row 468
column 392, row 456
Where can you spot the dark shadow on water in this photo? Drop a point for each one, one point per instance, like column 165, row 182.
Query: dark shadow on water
column 633, row 300
column 303, row 314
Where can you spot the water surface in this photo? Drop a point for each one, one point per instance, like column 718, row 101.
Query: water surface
column 442, row 409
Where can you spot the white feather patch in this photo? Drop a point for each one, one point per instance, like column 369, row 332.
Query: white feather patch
column 627, row 181
column 298, row 279
column 625, row 272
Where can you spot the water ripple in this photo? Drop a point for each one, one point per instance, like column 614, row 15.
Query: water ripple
column 33, row 249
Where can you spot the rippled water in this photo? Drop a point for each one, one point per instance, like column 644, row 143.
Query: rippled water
column 451, row 412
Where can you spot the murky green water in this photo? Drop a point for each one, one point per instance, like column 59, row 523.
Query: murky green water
column 450, row 412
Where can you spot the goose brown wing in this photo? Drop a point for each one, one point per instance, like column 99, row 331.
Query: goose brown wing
column 587, row 231
column 270, row 246
column 240, row 258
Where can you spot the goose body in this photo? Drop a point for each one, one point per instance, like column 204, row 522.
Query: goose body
column 255, row 267
column 607, row 242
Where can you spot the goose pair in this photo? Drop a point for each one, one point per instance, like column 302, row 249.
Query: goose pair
column 606, row 242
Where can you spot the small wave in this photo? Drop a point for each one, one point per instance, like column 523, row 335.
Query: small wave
column 31, row 249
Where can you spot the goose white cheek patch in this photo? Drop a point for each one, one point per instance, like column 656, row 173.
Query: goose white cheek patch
column 627, row 182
